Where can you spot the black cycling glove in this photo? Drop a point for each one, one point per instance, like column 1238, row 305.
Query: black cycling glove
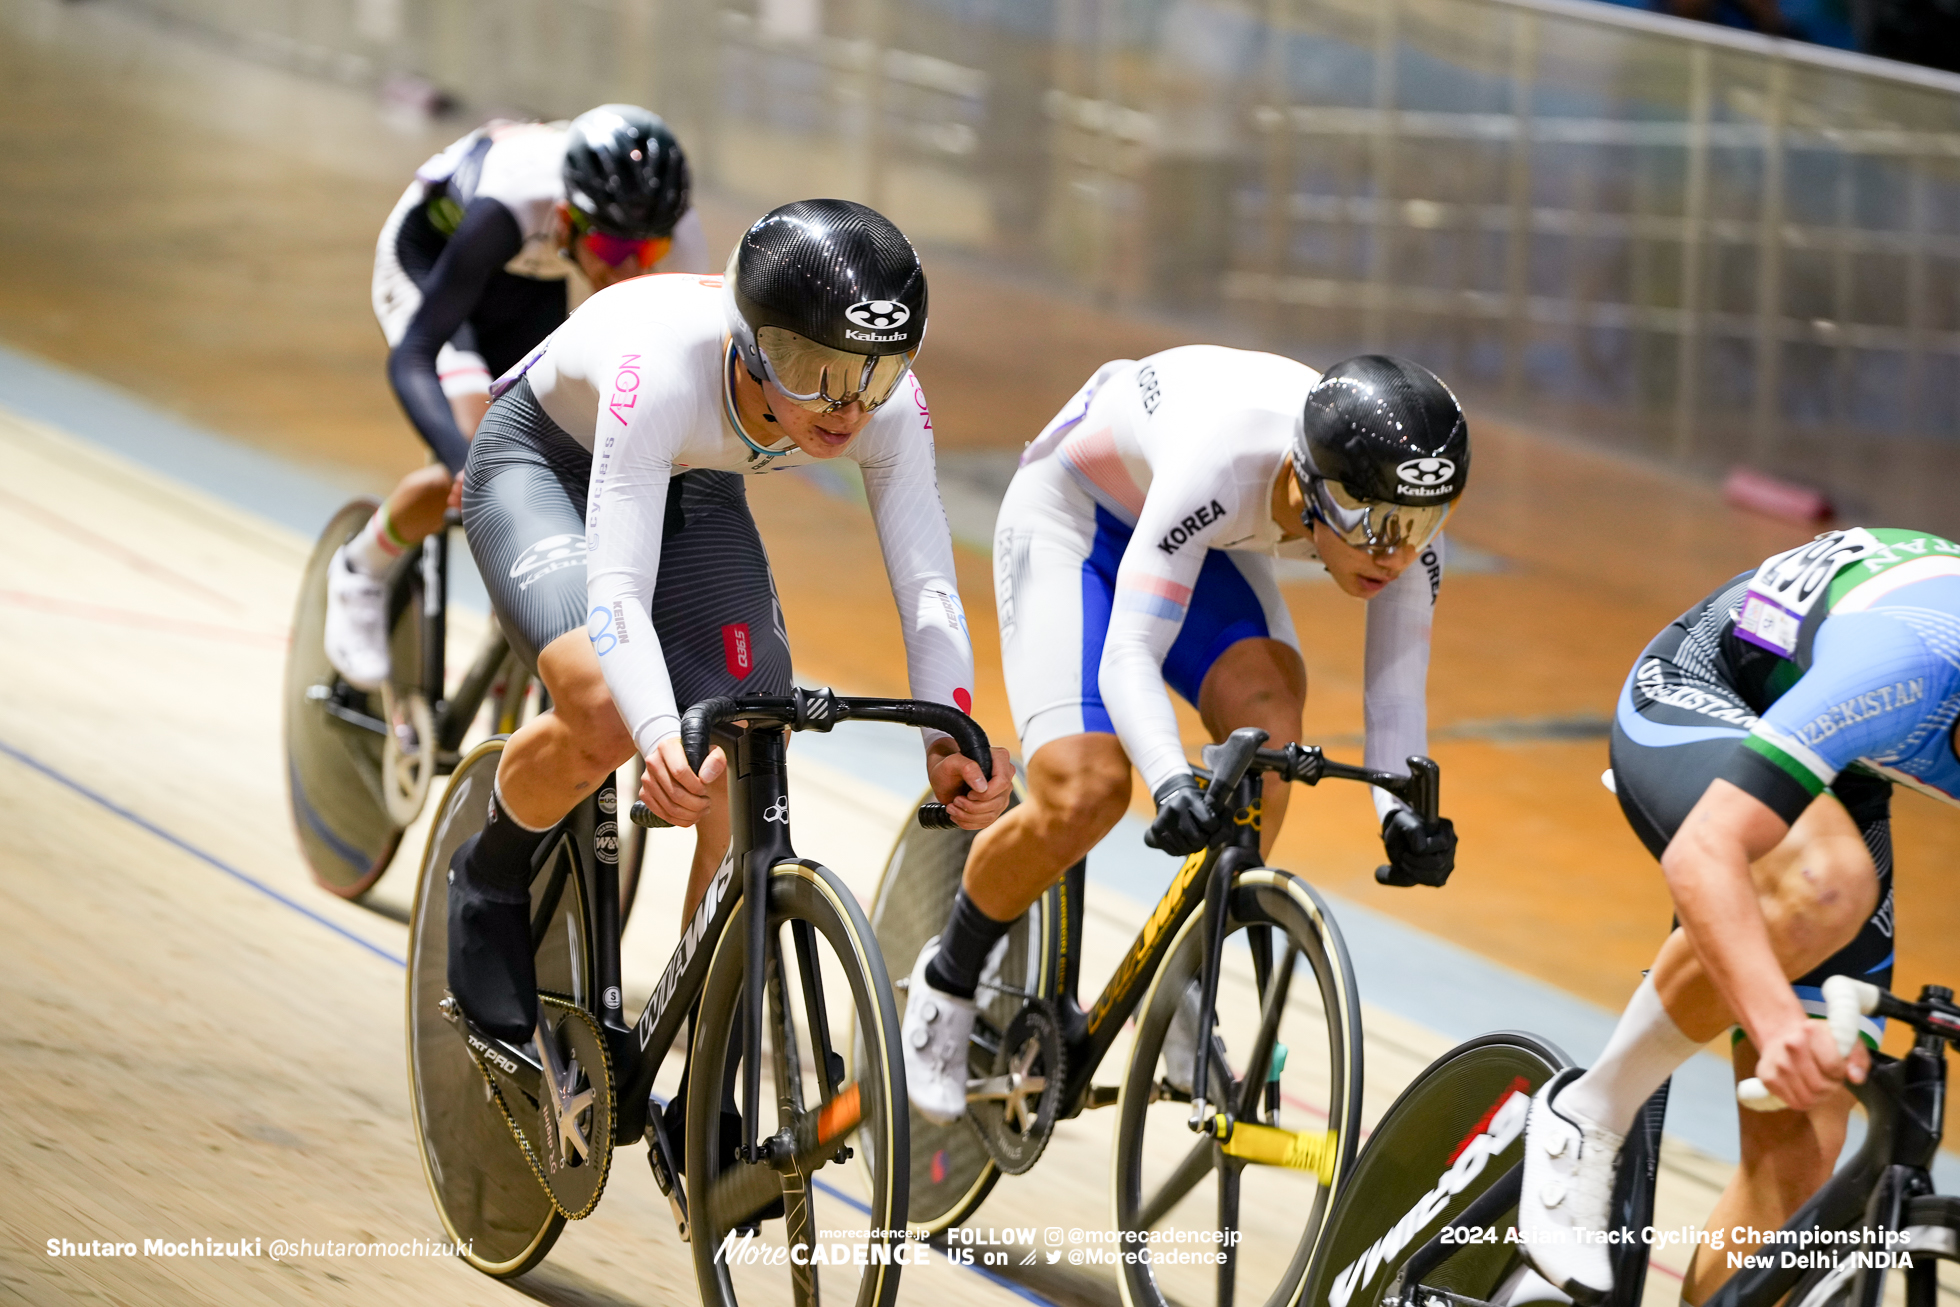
column 1184, row 821
column 1420, row 851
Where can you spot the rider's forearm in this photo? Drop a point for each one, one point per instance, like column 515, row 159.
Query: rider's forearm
column 1715, row 898
column 918, row 553
column 487, row 238
column 1140, row 708
column 1395, row 681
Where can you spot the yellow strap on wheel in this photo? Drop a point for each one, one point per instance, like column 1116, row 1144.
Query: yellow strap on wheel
column 1297, row 1150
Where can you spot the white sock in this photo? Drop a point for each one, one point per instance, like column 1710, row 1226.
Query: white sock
column 374, row 549
column 1645, row 1050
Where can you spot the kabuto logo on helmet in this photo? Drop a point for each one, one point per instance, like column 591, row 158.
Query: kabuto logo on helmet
column 1427, row 476
column 883, row 315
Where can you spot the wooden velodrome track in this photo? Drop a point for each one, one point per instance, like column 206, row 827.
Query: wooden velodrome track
column 190, row 1056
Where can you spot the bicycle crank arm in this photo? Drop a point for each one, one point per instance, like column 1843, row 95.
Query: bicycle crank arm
column 331, row 703
column 666, row 1169
column 507, row 1063
column 796, row 1150
column 1314, row 1151
column 1424, row 1296
column 995, row 1088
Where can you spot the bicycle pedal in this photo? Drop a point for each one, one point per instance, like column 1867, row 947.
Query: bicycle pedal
column 1103, row 1096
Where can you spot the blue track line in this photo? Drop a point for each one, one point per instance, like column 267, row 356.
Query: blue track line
column 28, row 760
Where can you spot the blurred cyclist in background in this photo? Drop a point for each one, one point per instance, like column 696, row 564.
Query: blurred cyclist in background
column 1135, row 548
column 472, row 271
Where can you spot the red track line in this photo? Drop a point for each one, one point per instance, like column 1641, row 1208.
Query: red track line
column 143, row 621
column 76, row 531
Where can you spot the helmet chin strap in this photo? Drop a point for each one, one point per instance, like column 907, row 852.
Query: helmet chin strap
column 734, row 413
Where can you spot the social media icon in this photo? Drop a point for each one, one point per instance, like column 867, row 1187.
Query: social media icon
column 1053, row 1235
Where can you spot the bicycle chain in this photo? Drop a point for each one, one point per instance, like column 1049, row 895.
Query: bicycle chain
column 517, row 1133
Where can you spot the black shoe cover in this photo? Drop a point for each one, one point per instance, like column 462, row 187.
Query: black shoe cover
column 491, row 970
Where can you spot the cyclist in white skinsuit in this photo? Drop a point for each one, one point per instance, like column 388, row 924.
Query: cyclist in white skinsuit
column 472, row 269
column 604, row 505
column 1135, row 549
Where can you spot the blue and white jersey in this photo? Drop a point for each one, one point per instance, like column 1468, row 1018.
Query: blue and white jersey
column 1868, row 620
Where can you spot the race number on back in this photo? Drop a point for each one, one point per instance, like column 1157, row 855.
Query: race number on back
column 1786, row 587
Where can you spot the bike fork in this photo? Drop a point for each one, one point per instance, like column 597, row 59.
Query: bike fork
column 758, row 795
column 1243, row 838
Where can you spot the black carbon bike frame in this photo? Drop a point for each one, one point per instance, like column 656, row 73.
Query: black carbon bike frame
column 758, row 795
column 1234, row 784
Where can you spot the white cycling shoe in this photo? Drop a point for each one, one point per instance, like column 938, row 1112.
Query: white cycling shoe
column 1564, row 1210
column 356, row 633
column 935, row 1034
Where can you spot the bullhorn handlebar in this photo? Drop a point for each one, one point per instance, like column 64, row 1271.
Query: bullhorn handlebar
column 820, row 710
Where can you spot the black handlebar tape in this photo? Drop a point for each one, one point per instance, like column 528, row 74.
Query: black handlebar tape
column 697, row 723
column 641, row 815
column 933, row 816
column 965, row 732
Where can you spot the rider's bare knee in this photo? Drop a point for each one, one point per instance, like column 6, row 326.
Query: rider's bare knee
column 1818, row 887
column 600, row 741
column 1092, row 797
column 431, row 482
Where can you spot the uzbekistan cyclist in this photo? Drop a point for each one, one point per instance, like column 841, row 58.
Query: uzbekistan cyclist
column 1134, row 548
column 604, row 504
column 471, row 271
column 1754, row 751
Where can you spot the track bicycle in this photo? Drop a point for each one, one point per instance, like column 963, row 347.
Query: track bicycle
column 1236, row 1144
column 516, row 1140
column 360, row 764
column 1434, row 1194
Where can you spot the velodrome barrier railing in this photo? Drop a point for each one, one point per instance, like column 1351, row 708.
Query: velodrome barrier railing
column 1682, row 241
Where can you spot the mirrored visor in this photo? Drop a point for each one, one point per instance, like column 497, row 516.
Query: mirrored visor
column 1370, row 524
column 822, row 379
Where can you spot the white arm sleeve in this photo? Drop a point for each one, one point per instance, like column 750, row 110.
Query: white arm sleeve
column 1153, row 594
column 903, row 490
column 1395, row 697
column 625, row 509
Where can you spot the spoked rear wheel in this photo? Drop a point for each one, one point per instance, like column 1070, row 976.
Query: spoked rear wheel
column 1237, row 1220
column 489, row 1198
column 952, row 1171
column 823, row 974
column 334, row 768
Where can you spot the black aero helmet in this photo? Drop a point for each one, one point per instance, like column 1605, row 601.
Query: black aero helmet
column 1382, row 451
column 625, row 172
column 828, row 301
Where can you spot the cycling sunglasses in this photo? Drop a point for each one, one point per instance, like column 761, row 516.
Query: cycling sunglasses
column 614, row 251
column 1370, row 524
column 820, row 379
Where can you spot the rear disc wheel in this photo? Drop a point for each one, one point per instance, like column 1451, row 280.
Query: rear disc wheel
column 334, row 770
column 952, row 1171
column 492, row 1203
